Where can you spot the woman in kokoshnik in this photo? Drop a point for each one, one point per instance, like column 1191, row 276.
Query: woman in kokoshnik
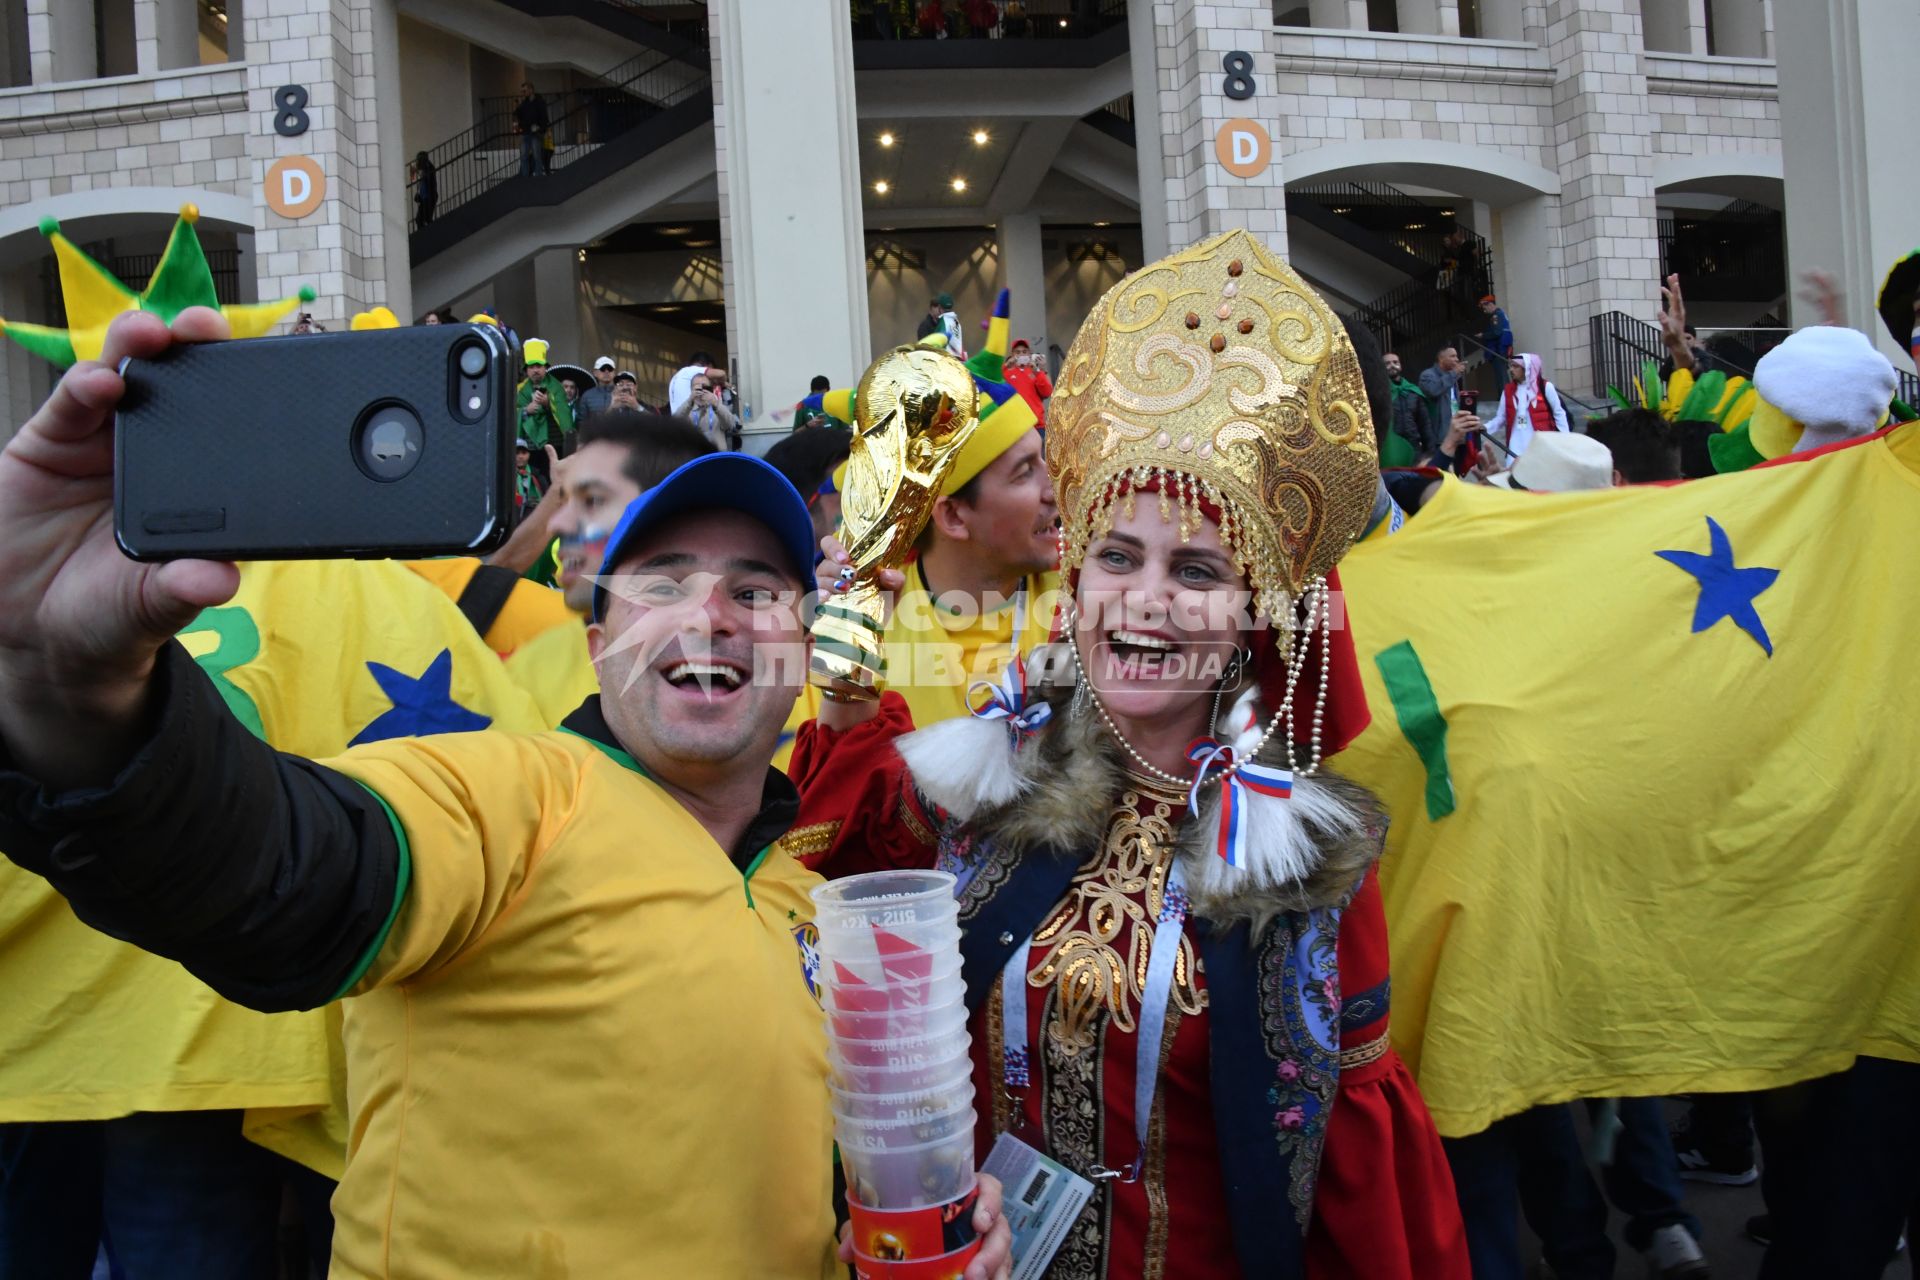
column 1153, row 784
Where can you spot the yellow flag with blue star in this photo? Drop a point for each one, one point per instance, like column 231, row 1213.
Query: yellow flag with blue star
column 312, row 656
column 1649, row 756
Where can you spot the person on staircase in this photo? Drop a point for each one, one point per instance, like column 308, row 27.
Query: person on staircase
column 1528, row 403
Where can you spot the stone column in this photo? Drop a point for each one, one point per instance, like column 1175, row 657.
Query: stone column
column 791, row 222
column 166, row 35
column 1024, row 270
column 1149, row 129
column 1337, row 15
column 556, row 305
column 1847, row 109
column 60, row 44
column 1740, row 27
column 1201, row 197
column 236, row 30
column 1603, row 142
column 1502, row 20
column 345, row 249
column 1676, row 26
column 1424, row 18
column 1522, row 238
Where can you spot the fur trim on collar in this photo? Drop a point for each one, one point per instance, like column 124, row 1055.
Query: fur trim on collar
column 1061, row 789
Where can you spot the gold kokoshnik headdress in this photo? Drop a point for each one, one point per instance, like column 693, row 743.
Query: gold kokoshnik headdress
column 1218, row 377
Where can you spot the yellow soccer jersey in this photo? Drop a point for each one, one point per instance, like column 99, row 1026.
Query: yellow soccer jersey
column 587, row 1046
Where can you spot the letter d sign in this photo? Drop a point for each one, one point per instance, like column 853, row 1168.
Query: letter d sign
column 1244, row 148
column 295, row 186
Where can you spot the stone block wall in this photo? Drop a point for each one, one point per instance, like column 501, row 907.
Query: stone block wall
column 183, row 129
column 1349, row 86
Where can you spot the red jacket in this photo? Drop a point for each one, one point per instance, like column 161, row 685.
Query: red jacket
column 1033, row 384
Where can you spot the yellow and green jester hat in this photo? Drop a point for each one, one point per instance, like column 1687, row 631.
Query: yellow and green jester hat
column 94, row 297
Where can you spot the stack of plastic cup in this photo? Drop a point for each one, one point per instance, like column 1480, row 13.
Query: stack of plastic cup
column 902, row 1087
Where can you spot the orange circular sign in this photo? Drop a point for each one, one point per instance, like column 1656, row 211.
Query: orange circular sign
column 295, row 186
column 1244, row 147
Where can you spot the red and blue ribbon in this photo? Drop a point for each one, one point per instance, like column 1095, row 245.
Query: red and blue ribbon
column 1249, row 779
column 1008, row 701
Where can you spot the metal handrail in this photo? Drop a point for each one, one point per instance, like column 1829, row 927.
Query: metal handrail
column 478, row 159
column 1620, row 345
column 1045, row 19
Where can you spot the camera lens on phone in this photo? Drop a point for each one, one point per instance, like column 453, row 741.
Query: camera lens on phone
column 473, row 362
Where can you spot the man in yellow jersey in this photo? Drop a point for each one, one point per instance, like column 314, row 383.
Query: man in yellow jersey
column 581, row 1040
column 984, row 580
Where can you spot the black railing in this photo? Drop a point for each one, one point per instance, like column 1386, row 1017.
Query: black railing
column 1739, row 251
column 1453, row 267
column 1620, row 347
column 135, row 269
column 1116, row 120
column 684, row 18
column 1032, row 20
column 1739, row 350
column 476, row 160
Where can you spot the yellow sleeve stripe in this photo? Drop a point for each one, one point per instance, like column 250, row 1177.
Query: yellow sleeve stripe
column 402, row 881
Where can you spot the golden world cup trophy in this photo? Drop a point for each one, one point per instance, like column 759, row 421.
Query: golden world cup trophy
column 914, row 410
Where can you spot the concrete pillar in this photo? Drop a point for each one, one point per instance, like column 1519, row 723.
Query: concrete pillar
column 16, row 65
column 516, row 300
column 1674, row 26
column 166, row 35
column 25, row 380
column 1846, row 130
column 1149, row 133
column 390, row 204
column 347, row 248
column 1502, row 20
column 1740, row 28
column 60, row 45
column 1200, row 195
column 1023, row 269
column 795, row 268
column 1522, row 240
column 1609, row 258
column 1422, row 17
column 1337, row 15
column 556, row 305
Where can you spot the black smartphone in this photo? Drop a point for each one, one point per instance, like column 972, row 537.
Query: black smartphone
column 385, row 442
column 1469, row 401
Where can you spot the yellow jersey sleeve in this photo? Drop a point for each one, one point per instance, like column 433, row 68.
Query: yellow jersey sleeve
column 474, row 813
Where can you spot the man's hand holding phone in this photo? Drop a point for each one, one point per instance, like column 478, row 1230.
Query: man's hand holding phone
column 80, row 623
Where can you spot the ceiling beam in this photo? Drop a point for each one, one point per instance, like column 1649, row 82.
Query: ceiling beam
column 989, row 95
column 1028, row 164
column 1108, row 166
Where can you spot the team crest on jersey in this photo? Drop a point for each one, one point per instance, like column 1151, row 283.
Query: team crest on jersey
column 807, row 937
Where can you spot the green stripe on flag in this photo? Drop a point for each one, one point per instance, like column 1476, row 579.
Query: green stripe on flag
column 1420, row 720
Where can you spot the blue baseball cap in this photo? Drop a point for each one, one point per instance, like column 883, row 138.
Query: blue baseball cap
column 717, row 482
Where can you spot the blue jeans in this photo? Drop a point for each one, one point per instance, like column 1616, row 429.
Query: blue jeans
column 1533, row 1159
column 173, row 1196
column 533, row 154
column 1643, row 1181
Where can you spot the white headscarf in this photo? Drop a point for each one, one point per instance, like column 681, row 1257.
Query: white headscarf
column 1531, row 388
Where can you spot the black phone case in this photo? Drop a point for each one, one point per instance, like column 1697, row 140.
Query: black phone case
column 247, row 450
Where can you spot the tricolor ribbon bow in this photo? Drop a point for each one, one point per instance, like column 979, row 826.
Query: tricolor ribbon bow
column 1230, row 841
column 1007, row 701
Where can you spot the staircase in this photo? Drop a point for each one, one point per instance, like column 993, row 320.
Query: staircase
column 1449, row 268
column 654, row 98
column 1736, row 254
